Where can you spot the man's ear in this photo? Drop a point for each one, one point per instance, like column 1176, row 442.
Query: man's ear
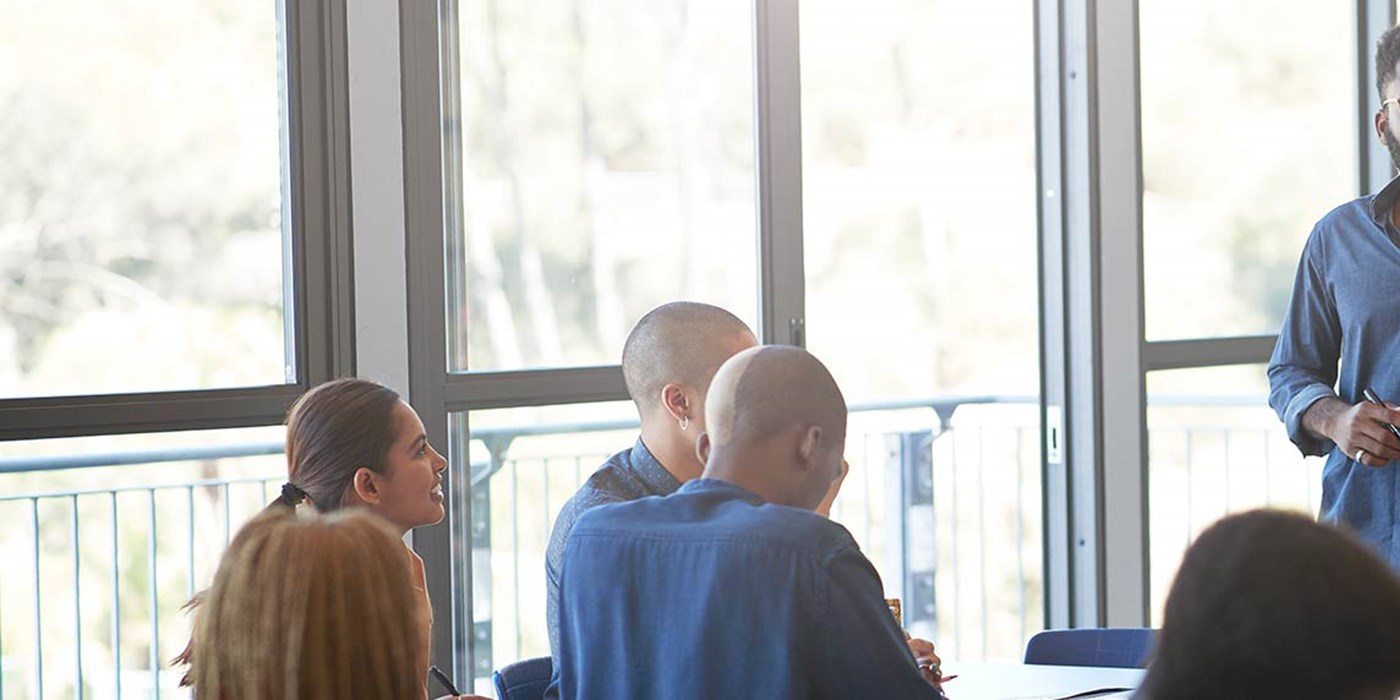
column 1382, row 123
column 810, row 447
column 702, row 448
column 674, row 400
column 365, row 485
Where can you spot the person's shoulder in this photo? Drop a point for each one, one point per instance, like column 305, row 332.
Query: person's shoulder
column 1341, row 220
column 802, row 529
column 610, row 483
column 620, row 515
column 1343, row 228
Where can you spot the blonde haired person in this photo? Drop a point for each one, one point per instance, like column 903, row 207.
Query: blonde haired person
column 303, row 606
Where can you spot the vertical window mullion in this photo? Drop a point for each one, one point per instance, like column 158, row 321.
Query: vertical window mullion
column 424, row 99
column 1092, row 332
column 778, row 140
column 1050, row 176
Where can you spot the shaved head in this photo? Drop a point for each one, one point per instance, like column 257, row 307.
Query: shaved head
column 764, row 391
column 681, row 342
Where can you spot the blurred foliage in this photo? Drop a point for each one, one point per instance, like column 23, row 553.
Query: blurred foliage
column 1248, row 138
column 140, row 224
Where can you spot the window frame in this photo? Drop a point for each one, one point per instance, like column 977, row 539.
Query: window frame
column 1095, row 354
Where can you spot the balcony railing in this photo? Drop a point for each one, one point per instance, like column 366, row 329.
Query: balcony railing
column 944, row 496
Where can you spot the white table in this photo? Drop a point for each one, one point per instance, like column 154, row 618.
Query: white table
column 993, row 680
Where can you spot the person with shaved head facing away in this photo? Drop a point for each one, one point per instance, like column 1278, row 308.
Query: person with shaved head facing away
column 733, row 587
column 668, row 361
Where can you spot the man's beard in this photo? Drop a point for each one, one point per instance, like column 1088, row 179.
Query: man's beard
column 1392, row 144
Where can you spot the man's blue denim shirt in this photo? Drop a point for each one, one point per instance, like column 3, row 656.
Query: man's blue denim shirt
column 713, row 593
column 1345, row 310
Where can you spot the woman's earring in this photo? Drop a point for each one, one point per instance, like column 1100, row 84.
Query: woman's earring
column 685, row 422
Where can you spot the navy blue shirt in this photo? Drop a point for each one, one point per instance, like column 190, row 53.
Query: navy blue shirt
column 713, row 593
column 1345, row 310
column 630, row 474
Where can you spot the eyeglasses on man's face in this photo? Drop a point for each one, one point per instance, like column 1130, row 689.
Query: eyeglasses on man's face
column 1392, row 101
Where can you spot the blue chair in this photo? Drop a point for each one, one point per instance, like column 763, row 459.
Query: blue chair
column 1120, row 647
column 523, row 680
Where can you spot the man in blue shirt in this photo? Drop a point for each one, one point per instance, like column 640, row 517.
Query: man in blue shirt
column 733, row 587
column 668, row 361
column 1346, row 308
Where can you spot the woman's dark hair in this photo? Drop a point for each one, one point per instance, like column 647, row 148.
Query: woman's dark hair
column 1269, row 604
column 332, row 431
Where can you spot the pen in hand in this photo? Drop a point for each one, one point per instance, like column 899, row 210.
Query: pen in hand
column 1373, row 398
column 443, row 679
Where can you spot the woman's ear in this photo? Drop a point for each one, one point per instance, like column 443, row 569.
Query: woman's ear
column 365, row 486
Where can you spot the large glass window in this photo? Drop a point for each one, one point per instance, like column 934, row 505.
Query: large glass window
column 607, row 167
column 919, row 229
column 1215, row 448
column 525, row 463
column 104, row 539
column 1248, row 138
column 141, row 197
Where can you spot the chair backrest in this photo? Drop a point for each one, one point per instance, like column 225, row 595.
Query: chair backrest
column 1114, row 647
column 523, row 680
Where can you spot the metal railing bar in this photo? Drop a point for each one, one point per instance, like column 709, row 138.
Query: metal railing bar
column 38, row 606
column 1225, row 433
column 77, row 599
column 1020, row 531
column 515, row 551
column 943, row 405
column 544, row 498
column 1190, row 465
column 116, row 603
column 982, row 529
column 155, row 599
column 228, row 515
column 189, row 540
column 1268, row 469
column 957, row 570
column 130, row 489
column 117, row 458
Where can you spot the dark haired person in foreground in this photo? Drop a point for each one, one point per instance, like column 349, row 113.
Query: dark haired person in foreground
column 733, row 587
column 1345, row 310
column 1269, row 604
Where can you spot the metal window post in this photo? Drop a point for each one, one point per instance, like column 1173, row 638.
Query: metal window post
column 1094, row 450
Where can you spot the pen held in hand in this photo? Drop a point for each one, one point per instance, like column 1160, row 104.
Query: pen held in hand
column 443, row 679
column 1372, row 397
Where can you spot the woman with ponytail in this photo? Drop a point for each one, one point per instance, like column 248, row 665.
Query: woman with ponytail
column 352, row 443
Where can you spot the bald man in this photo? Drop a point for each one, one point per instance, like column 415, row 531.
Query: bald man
column 733, row 587
column 668, row 361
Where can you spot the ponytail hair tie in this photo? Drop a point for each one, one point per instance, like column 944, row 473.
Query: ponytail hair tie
column 292, row 495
